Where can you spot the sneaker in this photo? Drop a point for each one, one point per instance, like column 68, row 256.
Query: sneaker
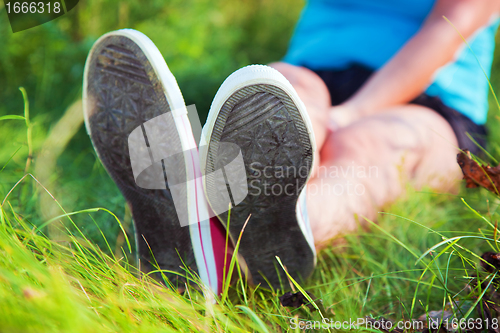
column 258, row 110
column 135, row 116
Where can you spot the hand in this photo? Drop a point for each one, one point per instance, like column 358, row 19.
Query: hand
column 342, row 116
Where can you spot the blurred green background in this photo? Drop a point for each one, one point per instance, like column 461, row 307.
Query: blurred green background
column 202, row 42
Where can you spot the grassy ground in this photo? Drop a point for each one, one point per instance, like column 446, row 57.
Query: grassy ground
column 74, row 285
column 83, row 278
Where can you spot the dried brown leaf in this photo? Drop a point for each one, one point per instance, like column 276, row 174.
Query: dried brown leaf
column 477, row 175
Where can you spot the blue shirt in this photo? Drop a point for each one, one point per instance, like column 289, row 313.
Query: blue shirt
column 333, row 34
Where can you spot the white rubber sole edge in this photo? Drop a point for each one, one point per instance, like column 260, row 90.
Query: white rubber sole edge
column 200, row 232
column 260, row 74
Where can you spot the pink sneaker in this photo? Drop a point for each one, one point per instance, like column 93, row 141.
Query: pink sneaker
column 137, row 121
column 257, row 110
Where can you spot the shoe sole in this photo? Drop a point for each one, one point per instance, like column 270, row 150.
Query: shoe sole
column 127, row 83
column 257, row 109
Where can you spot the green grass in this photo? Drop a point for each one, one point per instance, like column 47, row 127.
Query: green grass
column 83, row 277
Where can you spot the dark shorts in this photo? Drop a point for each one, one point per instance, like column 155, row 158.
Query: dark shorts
column 344, row 83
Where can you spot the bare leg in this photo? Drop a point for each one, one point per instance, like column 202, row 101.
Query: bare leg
column 314, row 93
column 365, row 165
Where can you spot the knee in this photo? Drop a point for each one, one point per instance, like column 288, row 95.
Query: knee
column 302, row 78
column 286, row 69
column 294, row 74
